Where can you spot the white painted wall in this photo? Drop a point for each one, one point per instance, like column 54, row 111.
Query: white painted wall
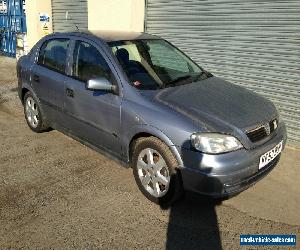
column 124, row 15
column 35, row 29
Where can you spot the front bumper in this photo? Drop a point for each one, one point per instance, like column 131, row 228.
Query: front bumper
column 227, row 174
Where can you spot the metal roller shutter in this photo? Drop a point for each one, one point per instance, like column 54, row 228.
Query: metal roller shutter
column 252, row 43
column 77, row 15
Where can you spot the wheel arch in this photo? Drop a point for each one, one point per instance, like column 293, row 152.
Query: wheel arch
column 24, row 90
column 25, row 87
column 148, row 131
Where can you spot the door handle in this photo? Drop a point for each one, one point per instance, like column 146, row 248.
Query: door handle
column 69, row 92
column 36, row 78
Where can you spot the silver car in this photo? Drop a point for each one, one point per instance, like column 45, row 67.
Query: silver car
column 146, row 103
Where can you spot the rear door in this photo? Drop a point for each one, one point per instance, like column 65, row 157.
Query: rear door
column 92, row 114
column 48, row 76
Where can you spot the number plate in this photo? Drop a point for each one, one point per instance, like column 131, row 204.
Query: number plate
column 270, row 155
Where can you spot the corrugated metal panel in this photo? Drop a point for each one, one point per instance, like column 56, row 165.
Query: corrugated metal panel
column 252, row 43
column 77, row 15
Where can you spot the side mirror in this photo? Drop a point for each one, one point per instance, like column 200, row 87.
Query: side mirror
column 100, row 83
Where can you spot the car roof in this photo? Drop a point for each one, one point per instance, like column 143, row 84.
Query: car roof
column 110, row 36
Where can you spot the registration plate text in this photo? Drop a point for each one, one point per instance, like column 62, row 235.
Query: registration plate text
column 270, row 155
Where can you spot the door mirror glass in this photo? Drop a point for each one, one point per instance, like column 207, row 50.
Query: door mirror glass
column 100, row 83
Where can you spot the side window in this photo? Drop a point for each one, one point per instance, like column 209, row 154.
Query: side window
column 88, row 63
column 53, row 54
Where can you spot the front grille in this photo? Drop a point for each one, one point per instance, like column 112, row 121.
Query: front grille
column 262, row 131
column 257, row 134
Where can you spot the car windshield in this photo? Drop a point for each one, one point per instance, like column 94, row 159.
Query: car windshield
column 155, row 63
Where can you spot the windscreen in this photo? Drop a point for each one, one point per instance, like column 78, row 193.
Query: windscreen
column 154, row 63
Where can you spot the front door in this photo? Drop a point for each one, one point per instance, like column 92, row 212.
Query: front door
column 92, row 115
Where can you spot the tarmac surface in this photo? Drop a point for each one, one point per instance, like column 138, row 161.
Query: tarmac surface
column 56, row 193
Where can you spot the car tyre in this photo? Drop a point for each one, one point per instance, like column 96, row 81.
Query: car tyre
column 156, row 172
column 33, row 114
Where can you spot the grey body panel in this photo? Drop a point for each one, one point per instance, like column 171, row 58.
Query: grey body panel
column 214, row 105
column 93, row 115
column 50, row 90
column 110, row 121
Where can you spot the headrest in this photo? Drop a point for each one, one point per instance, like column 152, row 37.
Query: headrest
column 122, row 55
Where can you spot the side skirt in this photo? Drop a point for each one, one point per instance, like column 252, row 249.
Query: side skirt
column 106, row 152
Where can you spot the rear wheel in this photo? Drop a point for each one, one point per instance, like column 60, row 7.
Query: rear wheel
column 33, row 114
column 155, row 171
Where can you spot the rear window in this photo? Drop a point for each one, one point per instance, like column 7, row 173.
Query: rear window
column 53, row 54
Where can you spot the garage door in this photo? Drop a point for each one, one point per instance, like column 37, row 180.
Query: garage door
column 252, row 43
column 75, row 11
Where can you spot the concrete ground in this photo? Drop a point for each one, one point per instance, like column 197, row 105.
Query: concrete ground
column 56, row 193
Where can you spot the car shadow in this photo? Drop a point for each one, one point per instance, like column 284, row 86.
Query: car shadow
column 193, row 224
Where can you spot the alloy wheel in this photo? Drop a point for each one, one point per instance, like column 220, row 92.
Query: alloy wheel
column 153, row 172
column 32, row 113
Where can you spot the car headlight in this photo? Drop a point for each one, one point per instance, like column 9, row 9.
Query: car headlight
column 214, row 143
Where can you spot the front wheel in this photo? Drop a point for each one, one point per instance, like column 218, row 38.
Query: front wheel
column 155, row 171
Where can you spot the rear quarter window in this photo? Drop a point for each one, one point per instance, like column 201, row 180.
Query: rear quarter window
column 53, row 54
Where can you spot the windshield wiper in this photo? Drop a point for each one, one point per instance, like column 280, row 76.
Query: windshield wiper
column 178, row 80
column 181, row 79
column 202, row 76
